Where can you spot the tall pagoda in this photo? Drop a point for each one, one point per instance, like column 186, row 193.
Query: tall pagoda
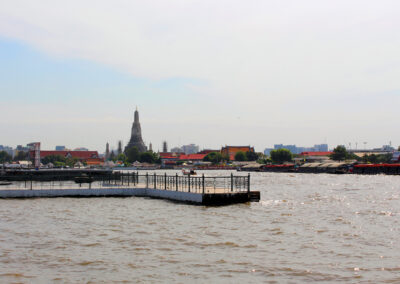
column 136, row 135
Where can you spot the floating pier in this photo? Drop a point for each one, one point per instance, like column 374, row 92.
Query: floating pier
column 202, row 190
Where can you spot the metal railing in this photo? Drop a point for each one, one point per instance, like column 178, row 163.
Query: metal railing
column 187, row 183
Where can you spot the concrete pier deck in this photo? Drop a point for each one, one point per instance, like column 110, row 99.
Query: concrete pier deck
column 187, row 197
column 194, row 190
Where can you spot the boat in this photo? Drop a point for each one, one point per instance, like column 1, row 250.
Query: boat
column 84, row 178
column 188, row 172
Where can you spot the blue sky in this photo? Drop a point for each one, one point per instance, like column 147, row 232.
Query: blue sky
column 232, row 72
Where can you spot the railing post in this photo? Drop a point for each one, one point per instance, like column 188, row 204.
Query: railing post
column 155, row 181
column 188, row 183
column 202, row 182
column 176, row 182
column 165, row 181
column 248, row 183
column 231, row 181
column 147, row 180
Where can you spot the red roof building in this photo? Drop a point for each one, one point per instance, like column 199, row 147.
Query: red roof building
column 81, row 155
column 192, row 157
column 231, row 151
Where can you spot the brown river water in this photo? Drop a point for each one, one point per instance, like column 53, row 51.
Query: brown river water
column 306, row 228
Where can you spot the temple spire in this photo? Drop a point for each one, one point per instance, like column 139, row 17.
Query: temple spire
column 136, row 116
column 136, row 135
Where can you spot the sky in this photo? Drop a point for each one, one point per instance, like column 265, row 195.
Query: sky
column 212, row 73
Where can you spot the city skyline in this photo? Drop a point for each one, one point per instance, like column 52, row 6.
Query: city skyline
column 255, row 73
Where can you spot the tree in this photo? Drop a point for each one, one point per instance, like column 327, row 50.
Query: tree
column 240, row 156
column 213, row 157
column 251, row 156
column 21, row 156
column 398, row 149
column 71, row 162
column 376, row 159
column 146, row 157
column 280, row 156
column 5, row 157
column 339, row 153
column 225, row 158
column 53, row 159
column 132, row 154
column 121, row 157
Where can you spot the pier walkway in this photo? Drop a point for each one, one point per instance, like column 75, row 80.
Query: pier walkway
column 191, row 189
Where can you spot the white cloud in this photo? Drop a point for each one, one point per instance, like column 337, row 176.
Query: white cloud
column 254, row 55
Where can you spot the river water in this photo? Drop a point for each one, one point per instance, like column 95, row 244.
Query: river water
column 306, row 228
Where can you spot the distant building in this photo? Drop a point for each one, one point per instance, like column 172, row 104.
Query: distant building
column 60, row 148
column 165, row 147
column 81, row 155
column 168, row 159
column 192, row 157
column 232, row 150
column 297, row 150
column 190, row 149
column 79, row 149
column 267, row 151
column 119, row 151
column 22, row 148
column 291, row 148
column 386, row 148
column 176, row 150
column 321, row 148
column 107, row 154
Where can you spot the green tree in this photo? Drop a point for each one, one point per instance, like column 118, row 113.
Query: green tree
column 121, row 157
column 339, row 154
column 21, row 156
column 280, row 156
column 264, row 161
column 71, row 162
column 240, row 156
column 53, row 159
column 213, row 157
column 385, row 158
column 376, row 159
column 146, row 157
column 225, row 157
column 59, row 164
column 5, row 157
column 398, row 149
column 132, row 154
column 251, row 156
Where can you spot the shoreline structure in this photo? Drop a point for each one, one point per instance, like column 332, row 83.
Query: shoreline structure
column 199, row 190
